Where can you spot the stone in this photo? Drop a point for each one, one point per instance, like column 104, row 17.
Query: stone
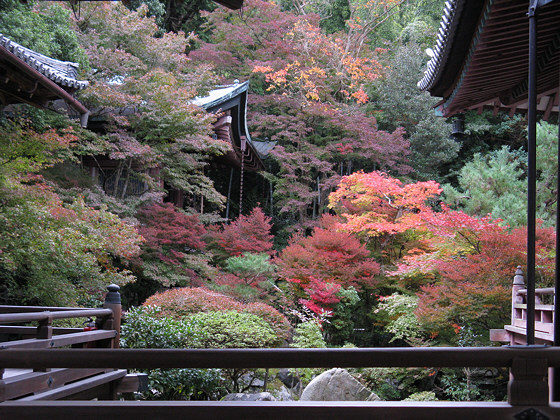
column 284, row 395
column 250, row 380
column 336, row 385
column 261, row 396
column 288, row 378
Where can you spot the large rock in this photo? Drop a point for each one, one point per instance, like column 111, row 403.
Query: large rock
column 261, row 396
column 284, row 395
column 289, row 379
column 336, row 385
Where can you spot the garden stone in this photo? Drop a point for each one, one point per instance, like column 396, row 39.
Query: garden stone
column 261, row 396
column 288, row 378
column 284, row 395
column 336, row 385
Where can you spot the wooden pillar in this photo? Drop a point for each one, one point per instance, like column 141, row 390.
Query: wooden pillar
column 528, row 384
column 44, row 331
column 556, row 316
column 113, row 302
column 518, row 284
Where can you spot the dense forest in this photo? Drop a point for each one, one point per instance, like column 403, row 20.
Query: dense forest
column 371, row 225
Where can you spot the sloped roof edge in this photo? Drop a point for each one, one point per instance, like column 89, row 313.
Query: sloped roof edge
column 63, row 73
column 454, row 36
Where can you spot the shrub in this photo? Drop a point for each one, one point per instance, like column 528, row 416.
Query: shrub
column 422, row 396
column 308, row 336
column 233, row 330
column 145, row 328
column 180, row 302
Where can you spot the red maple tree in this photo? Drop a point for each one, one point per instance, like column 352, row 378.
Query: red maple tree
column 247, row 234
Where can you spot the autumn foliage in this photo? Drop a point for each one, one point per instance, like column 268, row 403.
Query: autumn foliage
column 247, row 234
column 180, row 302
column 474, row 287
column 381, row 208
column 317, row 266
column 173, row 249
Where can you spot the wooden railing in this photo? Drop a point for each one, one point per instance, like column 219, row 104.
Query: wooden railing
column 516, row 332
column 528, row 393
column 86, row 373
column 42, row 382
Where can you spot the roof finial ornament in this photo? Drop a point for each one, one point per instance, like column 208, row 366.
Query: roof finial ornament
column 236, row 82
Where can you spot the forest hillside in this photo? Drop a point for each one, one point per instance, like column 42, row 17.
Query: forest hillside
column 369, row 224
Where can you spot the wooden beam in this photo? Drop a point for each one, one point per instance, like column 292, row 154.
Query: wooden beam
column 133, row 382
column 270, row 410
column 60, row 340
column 76, row 387
column 41, row 316
column 262, row 358
column 14, row 329
column 18, row 385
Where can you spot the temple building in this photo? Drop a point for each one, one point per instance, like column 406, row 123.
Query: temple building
column 35, row 79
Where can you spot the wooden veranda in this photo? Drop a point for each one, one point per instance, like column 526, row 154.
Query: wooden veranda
column 68, row 373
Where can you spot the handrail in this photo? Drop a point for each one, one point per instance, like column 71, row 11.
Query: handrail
column 278, row 358
column 541, row 291
column 24, row 309
column 45, row 315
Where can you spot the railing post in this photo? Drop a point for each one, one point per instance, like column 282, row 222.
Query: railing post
column 518, row 284
column 113, row 302
column 44, row 331
column 528, row 384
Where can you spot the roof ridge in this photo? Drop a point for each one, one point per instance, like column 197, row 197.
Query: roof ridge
column 63, row 73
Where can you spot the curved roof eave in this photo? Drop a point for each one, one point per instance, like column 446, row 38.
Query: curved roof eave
column 454, row 39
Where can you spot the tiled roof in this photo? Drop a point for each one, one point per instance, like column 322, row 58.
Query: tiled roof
column 480, row 60
column 439, row 51
column 221, row 96
column 63, row 73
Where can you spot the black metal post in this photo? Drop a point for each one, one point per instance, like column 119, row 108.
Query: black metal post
column 532, row 172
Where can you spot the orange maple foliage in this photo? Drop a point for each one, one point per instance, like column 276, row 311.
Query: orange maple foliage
column 377, row 205
column 322, row 67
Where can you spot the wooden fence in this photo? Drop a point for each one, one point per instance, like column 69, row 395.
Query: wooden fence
column 516, row 332
column 528, row 391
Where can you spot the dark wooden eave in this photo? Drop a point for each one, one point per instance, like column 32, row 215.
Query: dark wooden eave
column 231, row 4
column 230, row 104
column 482, row 57
column 31, row 78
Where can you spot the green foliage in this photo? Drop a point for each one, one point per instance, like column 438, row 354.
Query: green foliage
column 250, row 265
column 138, row 69
column 251, row 279
column 422, row 396
column 145, row 328
column 493, row 183
column 458, row 386
column 230, row 329
column 340, row 327
column 402, row 322
column 308, row 335
column 181, row 384
column 547, row 166
column 49, row 32
column 402, row 104
column 47, row 246
column 396, row 384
